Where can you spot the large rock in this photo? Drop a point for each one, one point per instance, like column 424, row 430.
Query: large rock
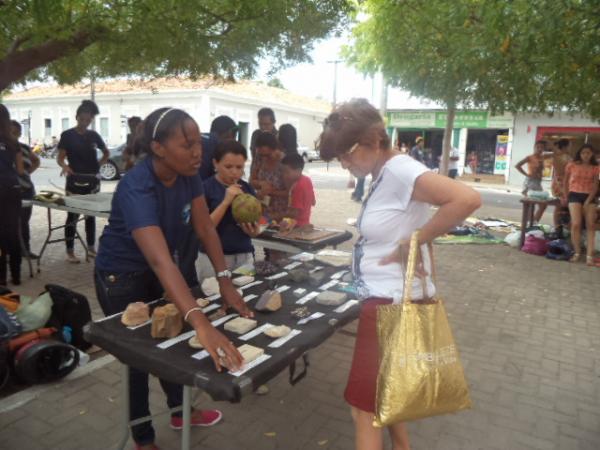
column 166, row 321
column 240, row 325
column 269, row 301
column 331, row 298
column 278, row 331
column 246, row 208
column 298, row 275
column 135, row 314
column 250, row 352
column 210, row 286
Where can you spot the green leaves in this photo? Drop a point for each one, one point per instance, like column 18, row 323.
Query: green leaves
column 159, row 37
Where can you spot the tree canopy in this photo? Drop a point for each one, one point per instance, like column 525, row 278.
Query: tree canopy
column 519, row 55
column 69, row 39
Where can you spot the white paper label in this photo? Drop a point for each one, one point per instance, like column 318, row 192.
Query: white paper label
column 282, row 289
column 282, row 340
column 338, row 275
column 316, row 269
column 299, row 291
column 141, row 325
column 313, row 316
column 293, row 265
column 261, row 359
column 304, row 256
column 249, row 285
column 176, row 339
column 276, row 276
column 255, row 332
column 249, row 297
column 223, row 319
column 200, row 355
column 213, row 297
column 329, row 284
column 307, row 298
column 210, row 308
column 346, row 306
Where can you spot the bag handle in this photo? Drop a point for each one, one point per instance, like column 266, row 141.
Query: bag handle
column 411, row 264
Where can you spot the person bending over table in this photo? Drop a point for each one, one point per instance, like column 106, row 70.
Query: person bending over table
column 398, row 203
column 220, row 190
column 135, row 261
column 580, row 190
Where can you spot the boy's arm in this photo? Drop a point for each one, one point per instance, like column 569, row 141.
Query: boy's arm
column 520, row 164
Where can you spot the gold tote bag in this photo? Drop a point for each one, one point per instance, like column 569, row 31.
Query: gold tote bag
column 420, row 374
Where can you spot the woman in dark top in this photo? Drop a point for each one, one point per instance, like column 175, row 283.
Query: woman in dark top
column 79, row 145
column 288, row 139
column 153, row 205
column 11, row 167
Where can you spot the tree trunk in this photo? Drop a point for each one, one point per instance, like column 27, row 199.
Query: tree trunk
column 447, row 143
column 17, row 64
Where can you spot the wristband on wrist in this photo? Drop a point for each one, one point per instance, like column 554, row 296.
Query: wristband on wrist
column 191, row 310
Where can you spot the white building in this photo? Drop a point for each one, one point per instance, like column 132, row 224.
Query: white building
column 51, row 110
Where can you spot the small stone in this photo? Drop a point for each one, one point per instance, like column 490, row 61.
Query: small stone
column 316, row 278
column 242, row 281
column 202, row 302
column 210, row 286
column 278, row 331
column 240, row 325
column 250, row 352
column 216, row 315
column 298, row 275
column 331, row 298
column 263, row 389
column 166, row 321
column 269, row 301
column 195, row 343
column 135, row 314
column 347, row 277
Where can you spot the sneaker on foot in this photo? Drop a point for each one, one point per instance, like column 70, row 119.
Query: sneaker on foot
column 200, row 418
column 72, row 258
column 91, row 252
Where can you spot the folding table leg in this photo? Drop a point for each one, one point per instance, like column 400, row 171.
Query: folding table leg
column 187, row 417
column 125, row 407
column 46, row 241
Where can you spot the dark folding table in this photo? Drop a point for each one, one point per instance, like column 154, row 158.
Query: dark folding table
column 175, row 361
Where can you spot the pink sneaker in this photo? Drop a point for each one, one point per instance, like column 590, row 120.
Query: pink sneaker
column 200, row 418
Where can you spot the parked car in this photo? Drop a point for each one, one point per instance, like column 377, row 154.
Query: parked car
column 308, row 154
column 115, row 166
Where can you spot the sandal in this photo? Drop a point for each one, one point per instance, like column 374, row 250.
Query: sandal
column 575, row 257
column 589, row 260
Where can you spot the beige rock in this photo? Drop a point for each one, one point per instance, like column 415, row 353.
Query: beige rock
column 278, row 331
column 269, row 301
column 250, row 352
column 166, row 321
column 210, row 286
column 240, row 325
column 243, row 280
column 202, row 302
column 195, row 343
column 331, row 298
column 135, row 314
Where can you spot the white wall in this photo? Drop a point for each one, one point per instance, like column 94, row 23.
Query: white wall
column 525, row 130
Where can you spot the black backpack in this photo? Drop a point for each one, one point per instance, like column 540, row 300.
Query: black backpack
column 71, row 309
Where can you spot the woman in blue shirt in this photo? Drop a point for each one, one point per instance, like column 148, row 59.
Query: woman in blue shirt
column 137, row 253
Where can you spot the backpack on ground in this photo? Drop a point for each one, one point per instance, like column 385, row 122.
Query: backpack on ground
column 69, row 309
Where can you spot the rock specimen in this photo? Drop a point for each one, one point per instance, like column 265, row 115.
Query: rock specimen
column 210, row 286
column 240, row 325
column 216, row 315
column 269, row 301
column 299, row 293
column 166, row 321
column 135, row 314
column 298, row 275
column 242, row 281
column 265, row 268
column 195, row 343
column 202, row 302
column 331, row 298
column 250, row 352
column 278, row 331
column 316, row 278
column 347, row 277
column 246, row 208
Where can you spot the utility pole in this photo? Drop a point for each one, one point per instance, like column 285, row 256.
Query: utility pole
column 93, row 94
column 335, row 63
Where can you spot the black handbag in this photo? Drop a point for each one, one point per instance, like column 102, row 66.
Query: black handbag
column 82, row 184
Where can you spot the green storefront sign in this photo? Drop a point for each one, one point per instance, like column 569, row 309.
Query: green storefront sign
column 437, row 119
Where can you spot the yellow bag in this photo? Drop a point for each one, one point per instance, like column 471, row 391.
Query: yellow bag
column 420, row 374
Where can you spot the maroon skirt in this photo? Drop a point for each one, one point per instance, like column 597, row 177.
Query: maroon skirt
column 362, row 381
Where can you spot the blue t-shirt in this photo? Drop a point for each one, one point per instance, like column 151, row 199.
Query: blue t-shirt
column 233, row 238
column 141, row 200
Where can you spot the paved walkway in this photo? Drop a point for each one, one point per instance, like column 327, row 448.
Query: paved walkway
column 528, row 330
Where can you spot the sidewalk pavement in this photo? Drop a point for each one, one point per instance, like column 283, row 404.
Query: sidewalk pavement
column 527, row 329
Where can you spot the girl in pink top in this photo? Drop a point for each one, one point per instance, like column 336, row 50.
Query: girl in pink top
column 581, row 184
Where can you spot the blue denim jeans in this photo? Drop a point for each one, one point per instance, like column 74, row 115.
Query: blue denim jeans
column 115, row 291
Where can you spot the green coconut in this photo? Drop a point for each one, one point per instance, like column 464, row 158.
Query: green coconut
column 246, row 208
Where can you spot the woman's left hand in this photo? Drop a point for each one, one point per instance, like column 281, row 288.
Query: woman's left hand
column 251, row 229
column 400, row 256
column 232, row 298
